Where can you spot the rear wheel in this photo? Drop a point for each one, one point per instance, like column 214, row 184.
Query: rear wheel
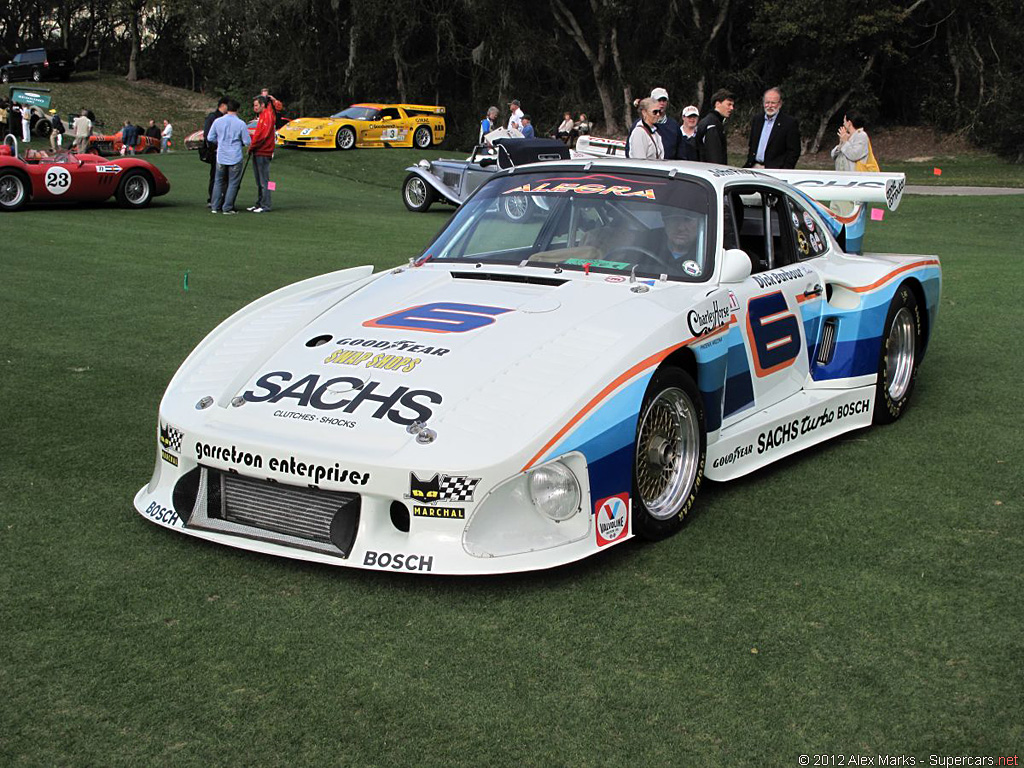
column 345, row 138
column 417, row 194
column 43, row 127
column 422, row 138
column 669, row 454
column 135, row 189
column 902, row 342
column 13, row 190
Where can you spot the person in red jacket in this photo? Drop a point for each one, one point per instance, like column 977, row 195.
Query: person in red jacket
column 262, row 149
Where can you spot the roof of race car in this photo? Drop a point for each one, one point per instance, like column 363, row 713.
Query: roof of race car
column 375, row 105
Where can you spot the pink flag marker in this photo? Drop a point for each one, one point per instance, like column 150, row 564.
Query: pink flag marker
column 271, row 186
column 937, row 171
column 877, row 214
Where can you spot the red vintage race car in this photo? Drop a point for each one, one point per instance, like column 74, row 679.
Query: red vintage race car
column 112, row 144
column 68, row 177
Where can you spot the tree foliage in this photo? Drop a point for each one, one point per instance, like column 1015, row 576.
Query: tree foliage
column 954, row 65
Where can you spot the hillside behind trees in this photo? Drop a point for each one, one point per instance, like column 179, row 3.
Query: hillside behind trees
column 949, row 64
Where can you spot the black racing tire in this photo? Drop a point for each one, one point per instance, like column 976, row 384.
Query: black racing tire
column 515, row 207
column 135, row 189
column 345, row 138
column 422, row 138
column 37, row 75
column 43, row 128
column 668, row 455
column 14, row 190
column 900, row 354
column 417, row 194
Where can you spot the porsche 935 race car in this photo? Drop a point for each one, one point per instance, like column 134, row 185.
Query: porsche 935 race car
column 528, row 393
column 68, row 177
column 368, row 125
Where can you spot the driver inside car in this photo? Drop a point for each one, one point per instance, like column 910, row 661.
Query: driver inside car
column 683, row 229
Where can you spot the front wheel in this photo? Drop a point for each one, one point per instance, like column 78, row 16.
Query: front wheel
column 345, row 138
column 417, row 194
column 515, row 207
column 669, row 454
column 37, row 76
column 13, row 192
column 899, row 356
column 135, row 190
column 422, row 137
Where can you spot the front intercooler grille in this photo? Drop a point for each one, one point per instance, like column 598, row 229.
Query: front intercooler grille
column 308, row 518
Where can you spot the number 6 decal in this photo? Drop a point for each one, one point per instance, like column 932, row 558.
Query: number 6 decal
column 774, row 333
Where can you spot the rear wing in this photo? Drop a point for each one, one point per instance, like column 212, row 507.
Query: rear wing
column 595, row 146
column 852, row 187
column 423, row 109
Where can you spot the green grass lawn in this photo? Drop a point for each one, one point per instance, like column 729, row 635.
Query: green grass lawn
column 864, row 597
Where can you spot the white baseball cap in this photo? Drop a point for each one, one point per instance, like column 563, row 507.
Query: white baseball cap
column 691, row 111
column 659, row 93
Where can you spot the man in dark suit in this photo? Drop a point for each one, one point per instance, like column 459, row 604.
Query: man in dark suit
column 774, row 137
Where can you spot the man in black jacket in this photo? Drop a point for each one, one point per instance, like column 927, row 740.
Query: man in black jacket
column 774, row 137
column 208, row 151
column 711, row 144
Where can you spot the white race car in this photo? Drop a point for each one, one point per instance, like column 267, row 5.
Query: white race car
column 530, row 392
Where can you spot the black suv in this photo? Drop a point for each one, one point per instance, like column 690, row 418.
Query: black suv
column 38, row 64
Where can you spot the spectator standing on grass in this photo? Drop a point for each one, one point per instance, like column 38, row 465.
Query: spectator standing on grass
column 14, row 119
column 645, row 140
column 83, row 129
column 262, row 150
column 527, row 129
column 128, row 138
column 688, row 134
column 666, row 126
column 4, row 117
column 774, row 136
column 488, row 124
column 165, row 137
column 711, row 139
column 515, row 119
column 208, row 150
column 152, row 131
column 26, row 123
column 56, row 130
column 853, row 152
column 231, row 137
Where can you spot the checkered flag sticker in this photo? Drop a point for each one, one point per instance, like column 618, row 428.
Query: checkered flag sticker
column 170, row 438
column 457, row 487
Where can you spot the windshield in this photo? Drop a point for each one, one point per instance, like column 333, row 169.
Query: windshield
column 583, row 220
column 357, row 113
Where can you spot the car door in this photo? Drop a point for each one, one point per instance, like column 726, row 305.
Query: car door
column 386, row 120
column 775, row 308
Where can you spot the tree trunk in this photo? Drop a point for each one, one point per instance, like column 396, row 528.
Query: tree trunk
column 133, row 59
column 819, row 136
column 598, row 59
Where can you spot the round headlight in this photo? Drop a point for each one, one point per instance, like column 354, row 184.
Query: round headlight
column 554, row 491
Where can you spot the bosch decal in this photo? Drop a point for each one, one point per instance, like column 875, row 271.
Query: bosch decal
column 398, row 562
column 439, row 317
column 400, row 405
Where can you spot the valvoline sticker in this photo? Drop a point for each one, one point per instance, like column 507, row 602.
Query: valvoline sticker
column 612, row 517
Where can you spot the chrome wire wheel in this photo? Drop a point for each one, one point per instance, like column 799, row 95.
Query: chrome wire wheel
column 900, row 349
column 12, row 191
column 415, row 192
column 667, row 452
column 136, row 190
column 516, row 206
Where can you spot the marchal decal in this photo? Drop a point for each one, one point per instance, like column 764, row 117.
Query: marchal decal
column 445, row 488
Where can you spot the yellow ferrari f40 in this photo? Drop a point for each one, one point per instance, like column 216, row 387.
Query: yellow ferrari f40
column 368, row 125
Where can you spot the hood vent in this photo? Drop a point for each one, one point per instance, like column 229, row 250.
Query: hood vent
column 500, row 277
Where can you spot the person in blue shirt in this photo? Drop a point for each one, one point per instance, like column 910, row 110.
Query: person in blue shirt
column 231, row 137
column 528, row 132
column 488, row 124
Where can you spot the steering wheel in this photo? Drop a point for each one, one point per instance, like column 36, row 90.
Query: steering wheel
column 661, row 261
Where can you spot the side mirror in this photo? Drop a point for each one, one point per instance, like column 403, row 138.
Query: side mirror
column 486, row 161
column 735, row 266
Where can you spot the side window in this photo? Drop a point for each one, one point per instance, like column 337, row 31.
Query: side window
column 807, row 235
column 759, row 213
column 392, row 113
